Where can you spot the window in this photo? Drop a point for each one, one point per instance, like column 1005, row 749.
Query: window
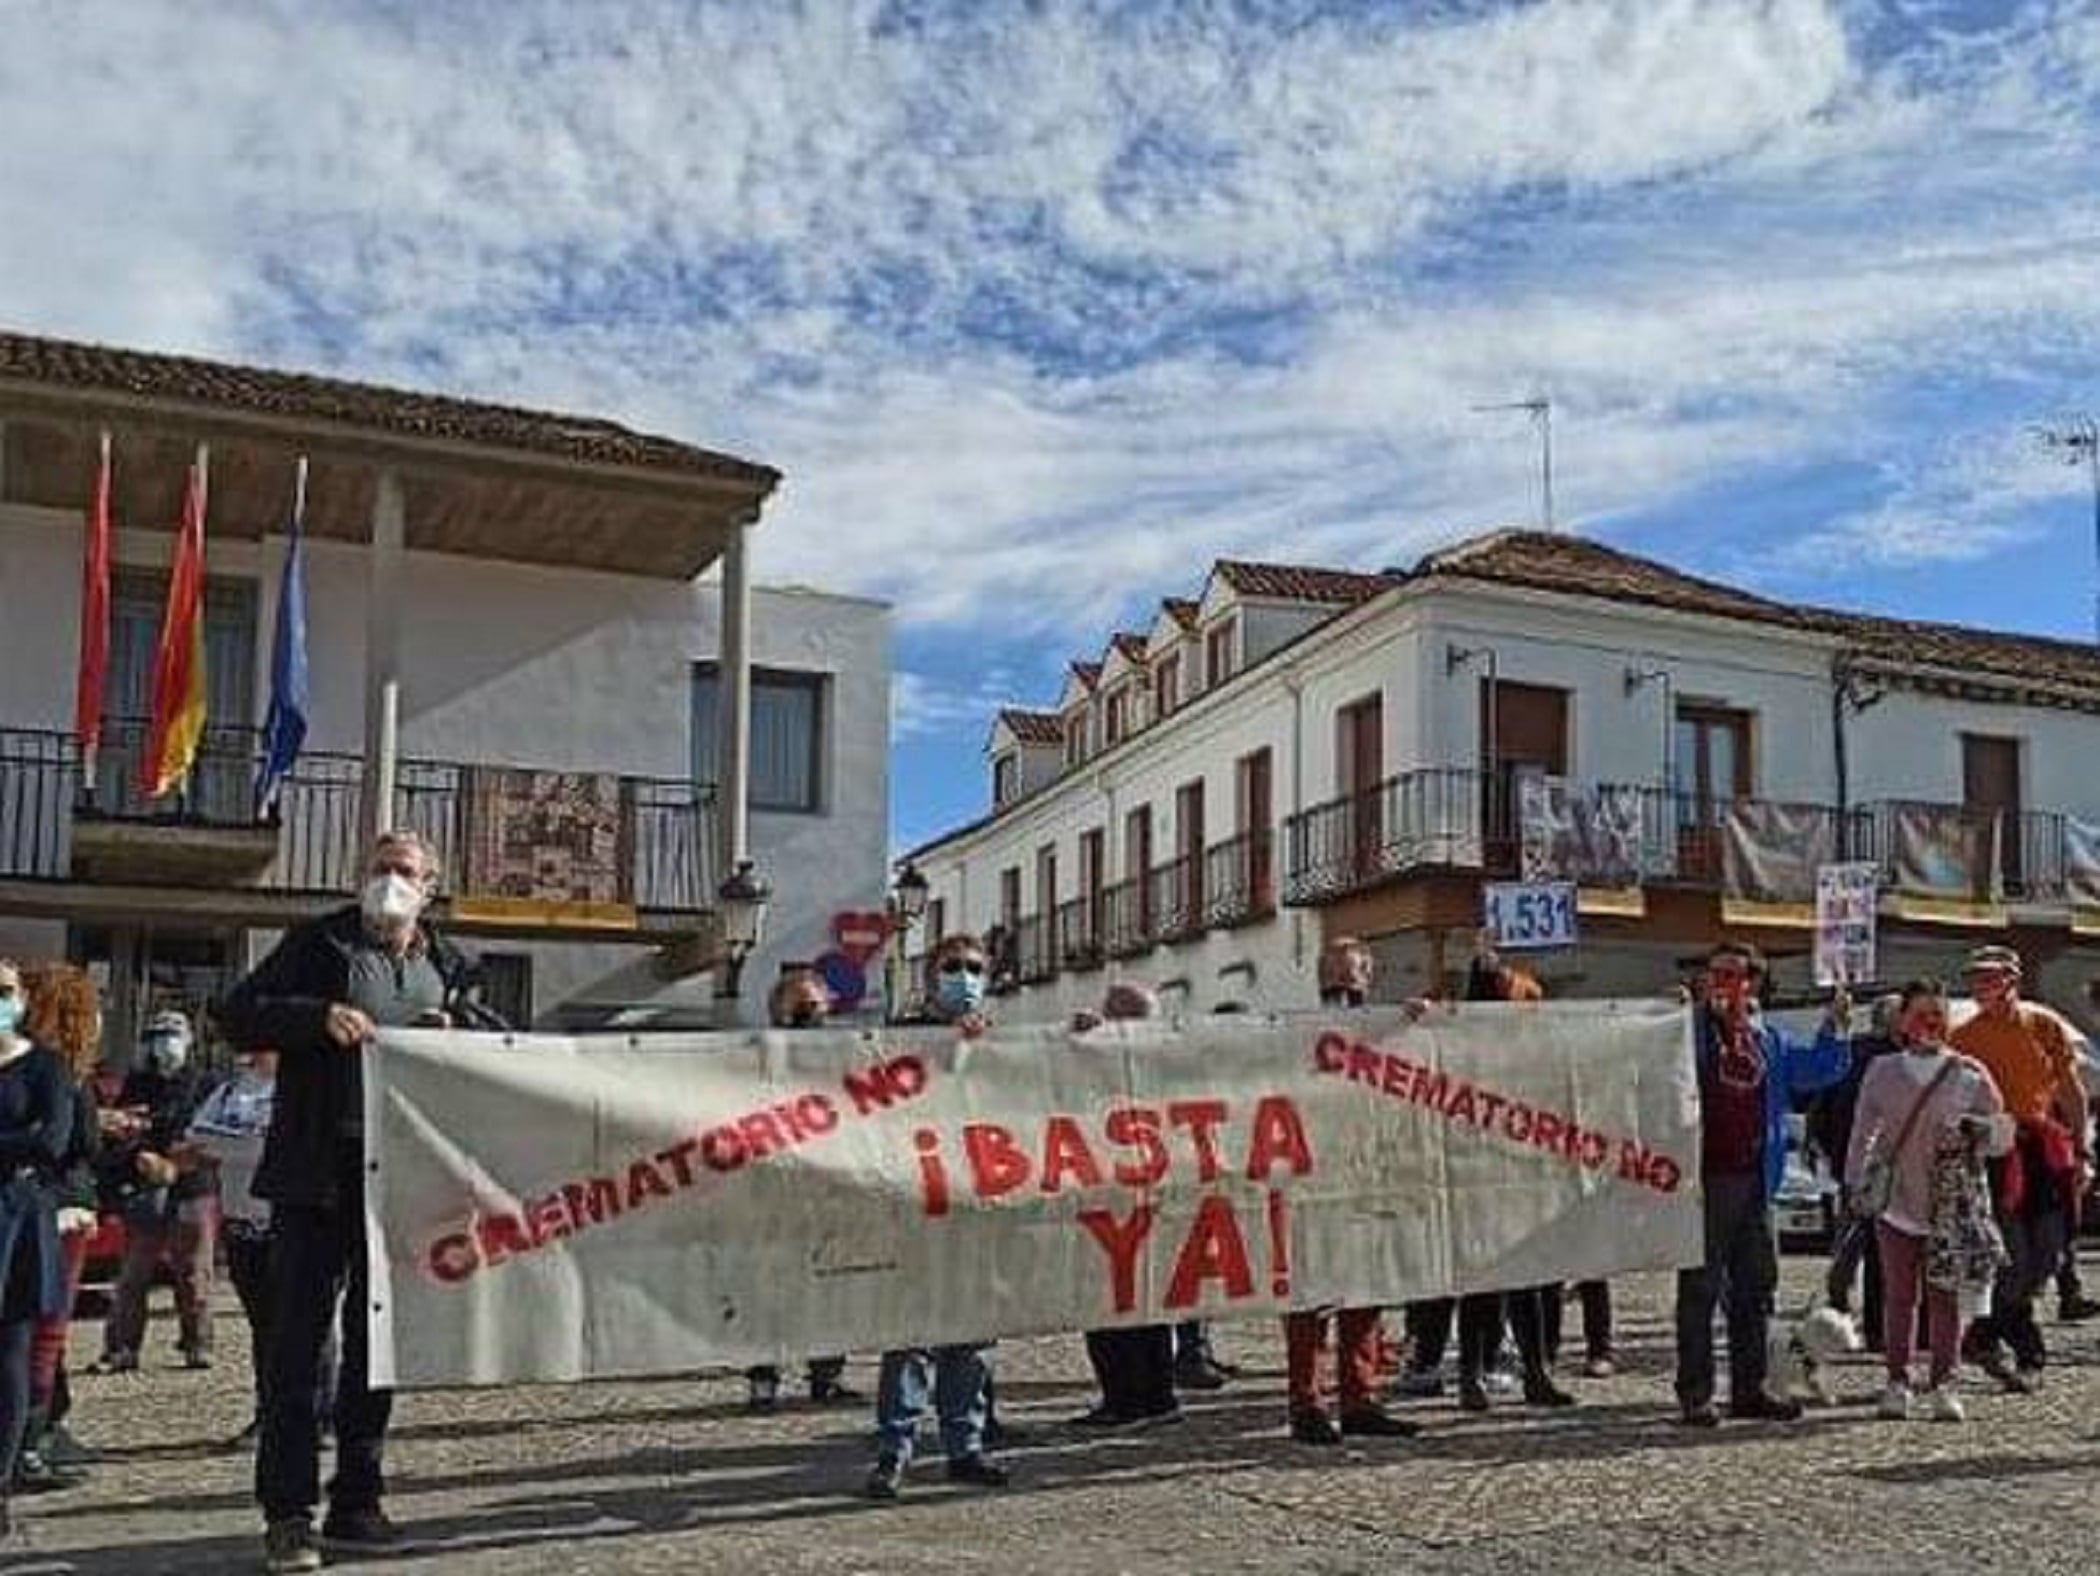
column 1075, row 736
column 1046, row 879
column 1119, row 716
column 504, row 986
column 787, row 736
column 1256, row 793
column 1093, row 847
column 1990, row 794
column 1006, row 779
column 1010, row 899
column 1218, row 651
column 1712, row 759
column 1166, row 687
column 1188, row 820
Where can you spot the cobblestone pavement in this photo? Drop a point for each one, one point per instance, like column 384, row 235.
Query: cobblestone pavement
column 668, row 1476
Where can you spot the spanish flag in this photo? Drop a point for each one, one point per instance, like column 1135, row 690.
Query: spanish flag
column 178, row 666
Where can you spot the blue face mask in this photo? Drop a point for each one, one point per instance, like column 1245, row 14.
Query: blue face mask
column 960, row 994
column 10, row 1014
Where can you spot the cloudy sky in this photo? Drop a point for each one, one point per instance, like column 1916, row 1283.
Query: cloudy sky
column 1042, row 306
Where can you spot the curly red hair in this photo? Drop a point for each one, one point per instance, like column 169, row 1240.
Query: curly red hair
column 65, row 1014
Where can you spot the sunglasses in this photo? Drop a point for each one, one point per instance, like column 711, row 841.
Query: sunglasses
column 962, row 965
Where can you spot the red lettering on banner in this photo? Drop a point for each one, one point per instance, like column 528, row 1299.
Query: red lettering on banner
column 1065, row 1153
column 645, row 1182
column 1215, row 1251
column 679, row 1157
column 816, row 1115
column 933, row 1174
column 453, row 1259
column 547, row 1220
column 1279, row 1139
column 1202, row 1118
column 1136, row 1127
column 721, row 1149
column 501, row 1237
column 592, row 1203
column 1492, row 1114
column 1121, row 1240
column 1279, row 1246
column 998, row 1165
column 882, row 1086
column 1331, row 1052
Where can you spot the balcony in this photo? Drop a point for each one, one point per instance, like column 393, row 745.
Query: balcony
column 1078, row 926
column 1177, row 900
column 1435, row 818
column 1239, row 881
column 1035, row 957
column 1964, row 852
column 507, row 839
column 1126, row 918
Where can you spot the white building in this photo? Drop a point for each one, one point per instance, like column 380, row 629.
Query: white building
column 531, row 599
column 1303, row 753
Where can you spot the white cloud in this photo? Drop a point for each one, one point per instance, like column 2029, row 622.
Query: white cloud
column 1042, row 307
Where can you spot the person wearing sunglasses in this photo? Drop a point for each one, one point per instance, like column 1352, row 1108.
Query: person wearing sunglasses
column 957, row 1379
column 1749, row 1075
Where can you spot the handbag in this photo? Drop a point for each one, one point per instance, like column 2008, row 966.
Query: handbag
column 1877, row 1182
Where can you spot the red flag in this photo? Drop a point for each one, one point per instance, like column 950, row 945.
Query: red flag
column 94, row 625
column 178, row 666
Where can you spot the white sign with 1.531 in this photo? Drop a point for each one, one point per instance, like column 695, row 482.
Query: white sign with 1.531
column 1529, row 916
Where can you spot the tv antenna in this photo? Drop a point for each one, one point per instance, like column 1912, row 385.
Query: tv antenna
column 1540, row 410
column 2076, row 441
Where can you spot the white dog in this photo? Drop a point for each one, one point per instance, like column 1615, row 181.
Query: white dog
column 1800, row 1352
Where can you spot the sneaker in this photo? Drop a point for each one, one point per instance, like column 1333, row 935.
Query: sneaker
column 289, row 1546
column 1698, row 1414
column 360, row 1530
column 1373, row 1422
column 2076, row 1309
column 1895, row 1404
column 1599, row 1368
column 61, row 1449
column 1942, row 1405
column 1765, row 1409
column 886, row 1480
column 1421, row 1384
column 1106, row 1419
column 116, row 1363
column 35, row 1474
column 1315, row 1428
column 978, row 1472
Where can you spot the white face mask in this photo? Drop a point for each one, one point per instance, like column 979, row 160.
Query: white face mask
column 392, row 901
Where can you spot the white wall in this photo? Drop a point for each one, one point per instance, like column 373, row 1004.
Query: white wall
column 1908, row 746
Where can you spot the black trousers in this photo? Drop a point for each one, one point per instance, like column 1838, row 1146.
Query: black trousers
column 317, row 1261
column 1135, row 1368
column 1595, row 1297
column 1740, row 1275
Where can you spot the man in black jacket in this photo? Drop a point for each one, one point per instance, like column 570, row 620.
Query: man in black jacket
column 316, row 1000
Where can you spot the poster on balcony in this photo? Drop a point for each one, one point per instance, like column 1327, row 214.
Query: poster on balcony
column 1847, row 916
column 1589, row 837
column 1771, row 853
column 1943, row 851
column 2081, row 862
column 561, row 1209
column 544, row 837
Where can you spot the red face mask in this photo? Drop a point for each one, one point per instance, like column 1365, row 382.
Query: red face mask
column 1729, row 990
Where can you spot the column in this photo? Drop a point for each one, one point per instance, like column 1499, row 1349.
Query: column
column 733, row 712
column 383, row 655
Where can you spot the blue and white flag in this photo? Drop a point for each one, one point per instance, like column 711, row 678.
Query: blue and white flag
column 284, row 728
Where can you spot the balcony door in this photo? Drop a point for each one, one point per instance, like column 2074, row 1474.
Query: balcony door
column 1137, row 873
column 221, row 787
column 1257, row 810
column 1524, row 733
column 1710, row 770
column 1990, row 790
column 1360, row 770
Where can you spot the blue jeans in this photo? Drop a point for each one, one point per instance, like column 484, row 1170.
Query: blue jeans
column 954, row 1377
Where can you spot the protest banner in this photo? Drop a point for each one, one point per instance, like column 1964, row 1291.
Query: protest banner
column 1847, row 902
column 550, row 1209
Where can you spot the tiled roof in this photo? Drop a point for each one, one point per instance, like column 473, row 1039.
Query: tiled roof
column 1573, row 565
column 1302, row 583
column 1132, row 646
column 1033, row 727
column 301, row 397
column 1182, row 611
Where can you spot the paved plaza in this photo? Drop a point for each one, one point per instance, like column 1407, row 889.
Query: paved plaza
column 671, row 1475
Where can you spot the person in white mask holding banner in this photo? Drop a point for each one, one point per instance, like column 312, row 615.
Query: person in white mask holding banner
column 957, row 1379
column 317, row 999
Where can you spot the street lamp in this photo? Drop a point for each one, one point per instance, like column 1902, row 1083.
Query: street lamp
column 911, row 894
column 740, row 906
